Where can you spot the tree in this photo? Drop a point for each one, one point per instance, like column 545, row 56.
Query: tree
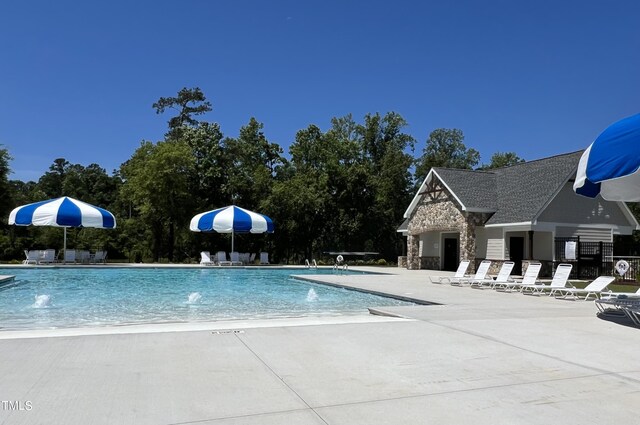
column 51, row 183
column 209, row 169
column 445, row 148
column 6, row 200
column 252, row 161
column 188, row 102
column 384, row 147
column 301, row 201
column 157, row 183
column 506, row 159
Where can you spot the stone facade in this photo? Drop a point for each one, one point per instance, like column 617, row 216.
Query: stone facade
column 441, row 215
column 430, row 263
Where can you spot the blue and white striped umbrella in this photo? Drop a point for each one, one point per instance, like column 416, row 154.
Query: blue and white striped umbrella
column 611, row 165
column 232, row 220
column 62, row 212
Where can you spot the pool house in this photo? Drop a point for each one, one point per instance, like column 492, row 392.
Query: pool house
column 522, row 213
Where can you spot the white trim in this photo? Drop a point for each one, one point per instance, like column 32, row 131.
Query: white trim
column 481, row 210
column 418, row 196
column 615, row 229
column 523, row 223
column 550, row 226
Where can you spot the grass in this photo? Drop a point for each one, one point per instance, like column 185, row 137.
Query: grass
column 618, row 286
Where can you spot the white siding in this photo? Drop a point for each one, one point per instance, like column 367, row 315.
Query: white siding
column 586, row 234
column 494, row 243
column 495, row 249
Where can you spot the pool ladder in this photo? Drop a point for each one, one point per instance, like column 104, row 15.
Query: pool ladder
column 312, row 264
column 341, row 267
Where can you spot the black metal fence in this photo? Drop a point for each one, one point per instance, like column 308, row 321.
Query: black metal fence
column 589, row 259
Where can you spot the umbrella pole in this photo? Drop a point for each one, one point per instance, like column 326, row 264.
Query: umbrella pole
column 232, row 233
column 64, row 251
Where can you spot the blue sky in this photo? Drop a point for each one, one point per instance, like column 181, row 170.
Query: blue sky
column 77, row 79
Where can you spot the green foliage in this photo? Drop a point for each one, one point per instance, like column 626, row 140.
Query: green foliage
column 343, row 189
column 253, row 160
column 52, row 181
column 5, row 187
column 500, row 160
column 445, row 148
column 90, row 184
column 157, row 181
column 209, row 170
column 188, row 102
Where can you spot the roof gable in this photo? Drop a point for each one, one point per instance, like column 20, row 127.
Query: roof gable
column 513, row 194
column 524, row 190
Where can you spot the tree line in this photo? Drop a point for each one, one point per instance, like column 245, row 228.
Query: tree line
column 344, row 189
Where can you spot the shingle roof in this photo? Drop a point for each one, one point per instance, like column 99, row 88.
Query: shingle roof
column 516, row 194
column 475, row 189
column 524, row 189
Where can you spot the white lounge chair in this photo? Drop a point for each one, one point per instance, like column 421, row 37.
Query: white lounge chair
column 530, row 278
column 221, row 258
column 594, row 288
column 47, row 256
column 481, row 274
column 205, row 258
column 633, row 313
column 100, row 257
column 252, row 258
column 83, row 256
column 69, row 256
column 235, row 258
column 559, row 281
column 32, row 257
column 460, row 273
column 503, row 277
column 617, row 302
column 264, row 258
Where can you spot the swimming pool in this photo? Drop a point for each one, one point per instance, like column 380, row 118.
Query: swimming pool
column 81, row 297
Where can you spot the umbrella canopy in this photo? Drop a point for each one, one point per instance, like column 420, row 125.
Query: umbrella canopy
column 62, row 212
column 232, row 220
column 610, row 166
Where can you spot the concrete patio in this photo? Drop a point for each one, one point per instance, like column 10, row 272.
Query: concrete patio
column 477, row 357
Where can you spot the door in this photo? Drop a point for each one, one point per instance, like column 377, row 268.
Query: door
column 450, row 262
column 516, row 253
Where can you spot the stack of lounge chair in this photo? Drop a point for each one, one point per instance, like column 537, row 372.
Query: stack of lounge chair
column 504, row 276
column 461, row 273
column 480, row 275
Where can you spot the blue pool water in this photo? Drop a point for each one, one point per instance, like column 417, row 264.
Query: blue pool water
column 76, row 297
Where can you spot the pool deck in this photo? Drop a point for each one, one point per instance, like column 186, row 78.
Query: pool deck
column 477, row 357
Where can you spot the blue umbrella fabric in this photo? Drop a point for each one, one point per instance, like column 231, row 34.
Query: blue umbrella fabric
column 231, row 219
column 610, row 166
column 62, row 212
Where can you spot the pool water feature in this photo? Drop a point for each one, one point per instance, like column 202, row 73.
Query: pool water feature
column 81, row 297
